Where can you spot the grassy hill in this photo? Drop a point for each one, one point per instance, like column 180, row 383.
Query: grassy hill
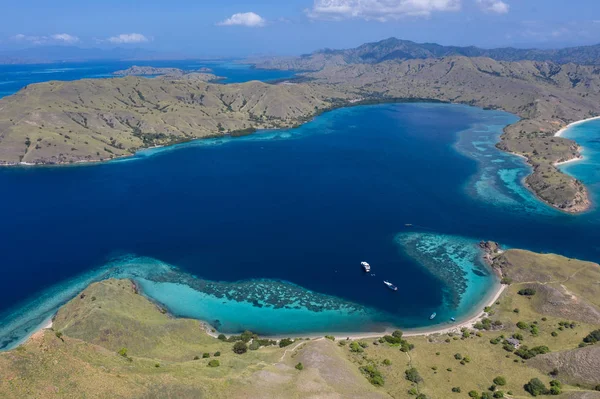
column 99, row 119
column 112, row 342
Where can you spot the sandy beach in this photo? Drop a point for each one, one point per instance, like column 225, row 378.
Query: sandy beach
column 564, row 129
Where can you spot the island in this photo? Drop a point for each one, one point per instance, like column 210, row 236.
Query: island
column 540, row 337
column 153, row 71
column 97, row 120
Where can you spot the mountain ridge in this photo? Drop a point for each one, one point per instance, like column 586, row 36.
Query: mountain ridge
column 393, row 49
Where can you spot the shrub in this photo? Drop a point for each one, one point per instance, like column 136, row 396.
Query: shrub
column 387, row 362
column 214, row 363
column 412, row 391
column 406, row 347
column 592, row 337
column 525, row 353
column 498, row 394
column 205, row 355
column 356, row 348
column 330, row 337
column 222, row 337
column 500, row 381
column 522, row 325
column 246, row 336
column 506, row 281
column 254, row 346
column 285, row 342
column 456, row 389
column 413, row 375
column 458, row 356
column 363, row 344
column 217, row 354
column 516, row 310
column 536, row 387
column 422, row 396
column 518, row 336
column 196, row 357
column 486, row 395
column 299, row 366
column 474, row 395
column 597, row 388
column 240, row 347
column 157, row 365
column 372, row 374
column 122, row 352
column 554, row 334
column 527, row 292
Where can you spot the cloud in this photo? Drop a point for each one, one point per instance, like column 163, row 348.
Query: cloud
column 496, row 6
column 249, row 19
column 57, row 38
column 379, row 10
column 65, row 38
column 128, row 38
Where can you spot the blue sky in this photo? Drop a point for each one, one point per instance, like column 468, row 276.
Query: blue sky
column 226, row 27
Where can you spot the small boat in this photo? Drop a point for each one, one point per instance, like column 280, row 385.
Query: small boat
column 390, row 285
column 408, row 224
column 366, row 267
column 452, row 319
column 432, row 316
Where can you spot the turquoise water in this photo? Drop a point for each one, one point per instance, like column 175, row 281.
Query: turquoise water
column 587, row 135
column 267, row 231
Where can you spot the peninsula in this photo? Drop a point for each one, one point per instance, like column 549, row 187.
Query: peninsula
column 96, row 120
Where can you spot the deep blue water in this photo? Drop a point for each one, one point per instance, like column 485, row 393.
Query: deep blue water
column 267, row 231
column 15, row 77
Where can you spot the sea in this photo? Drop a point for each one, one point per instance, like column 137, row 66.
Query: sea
column 266, row 232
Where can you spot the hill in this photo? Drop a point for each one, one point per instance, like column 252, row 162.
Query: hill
column 100, row 119
column 393, row 49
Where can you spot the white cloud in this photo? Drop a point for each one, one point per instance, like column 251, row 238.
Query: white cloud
column 65, row 38
column 496, row 6
column 128, row 38
column 249, row 19
column 380, row 10
column 57, row 38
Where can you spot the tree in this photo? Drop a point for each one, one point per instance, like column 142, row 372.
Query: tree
column 217, row 353
column 527, row 292
column 214, row 363
column 299, row 366
column 456, row 389
column 205, row 355
column 387, row 362
column 222, row 337
column 592, row 337
column 373, row 374
column 498, row 394
column 397, row 334
column 474, row 394
column 536, row 387
column 413, row 375
column 240, row 347
column 356, row 348
column 522, row 325
column 500, row 381
column 285, row 342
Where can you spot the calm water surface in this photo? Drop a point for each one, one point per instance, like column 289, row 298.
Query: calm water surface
column 266, row 232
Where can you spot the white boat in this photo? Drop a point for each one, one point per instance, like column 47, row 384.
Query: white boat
column 390, row 285
column 432, row 316
column 366, row 266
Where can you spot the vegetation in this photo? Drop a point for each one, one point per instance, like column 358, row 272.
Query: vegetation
column 527, row 292
column 373, row 374
column 592, row 337
column 285, row 342
column 240, row 347
column 214, row 363
column 299, row 366
column 413, row 375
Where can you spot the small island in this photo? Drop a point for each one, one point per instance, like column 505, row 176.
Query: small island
column 153, row 71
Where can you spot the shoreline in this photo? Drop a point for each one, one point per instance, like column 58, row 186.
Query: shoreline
column 570, row 125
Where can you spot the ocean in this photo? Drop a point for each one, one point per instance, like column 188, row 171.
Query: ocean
column 266, row 232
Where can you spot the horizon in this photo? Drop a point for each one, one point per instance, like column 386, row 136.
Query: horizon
column 235, row 29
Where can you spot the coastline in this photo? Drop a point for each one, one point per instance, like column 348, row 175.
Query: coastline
column 570, row 125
